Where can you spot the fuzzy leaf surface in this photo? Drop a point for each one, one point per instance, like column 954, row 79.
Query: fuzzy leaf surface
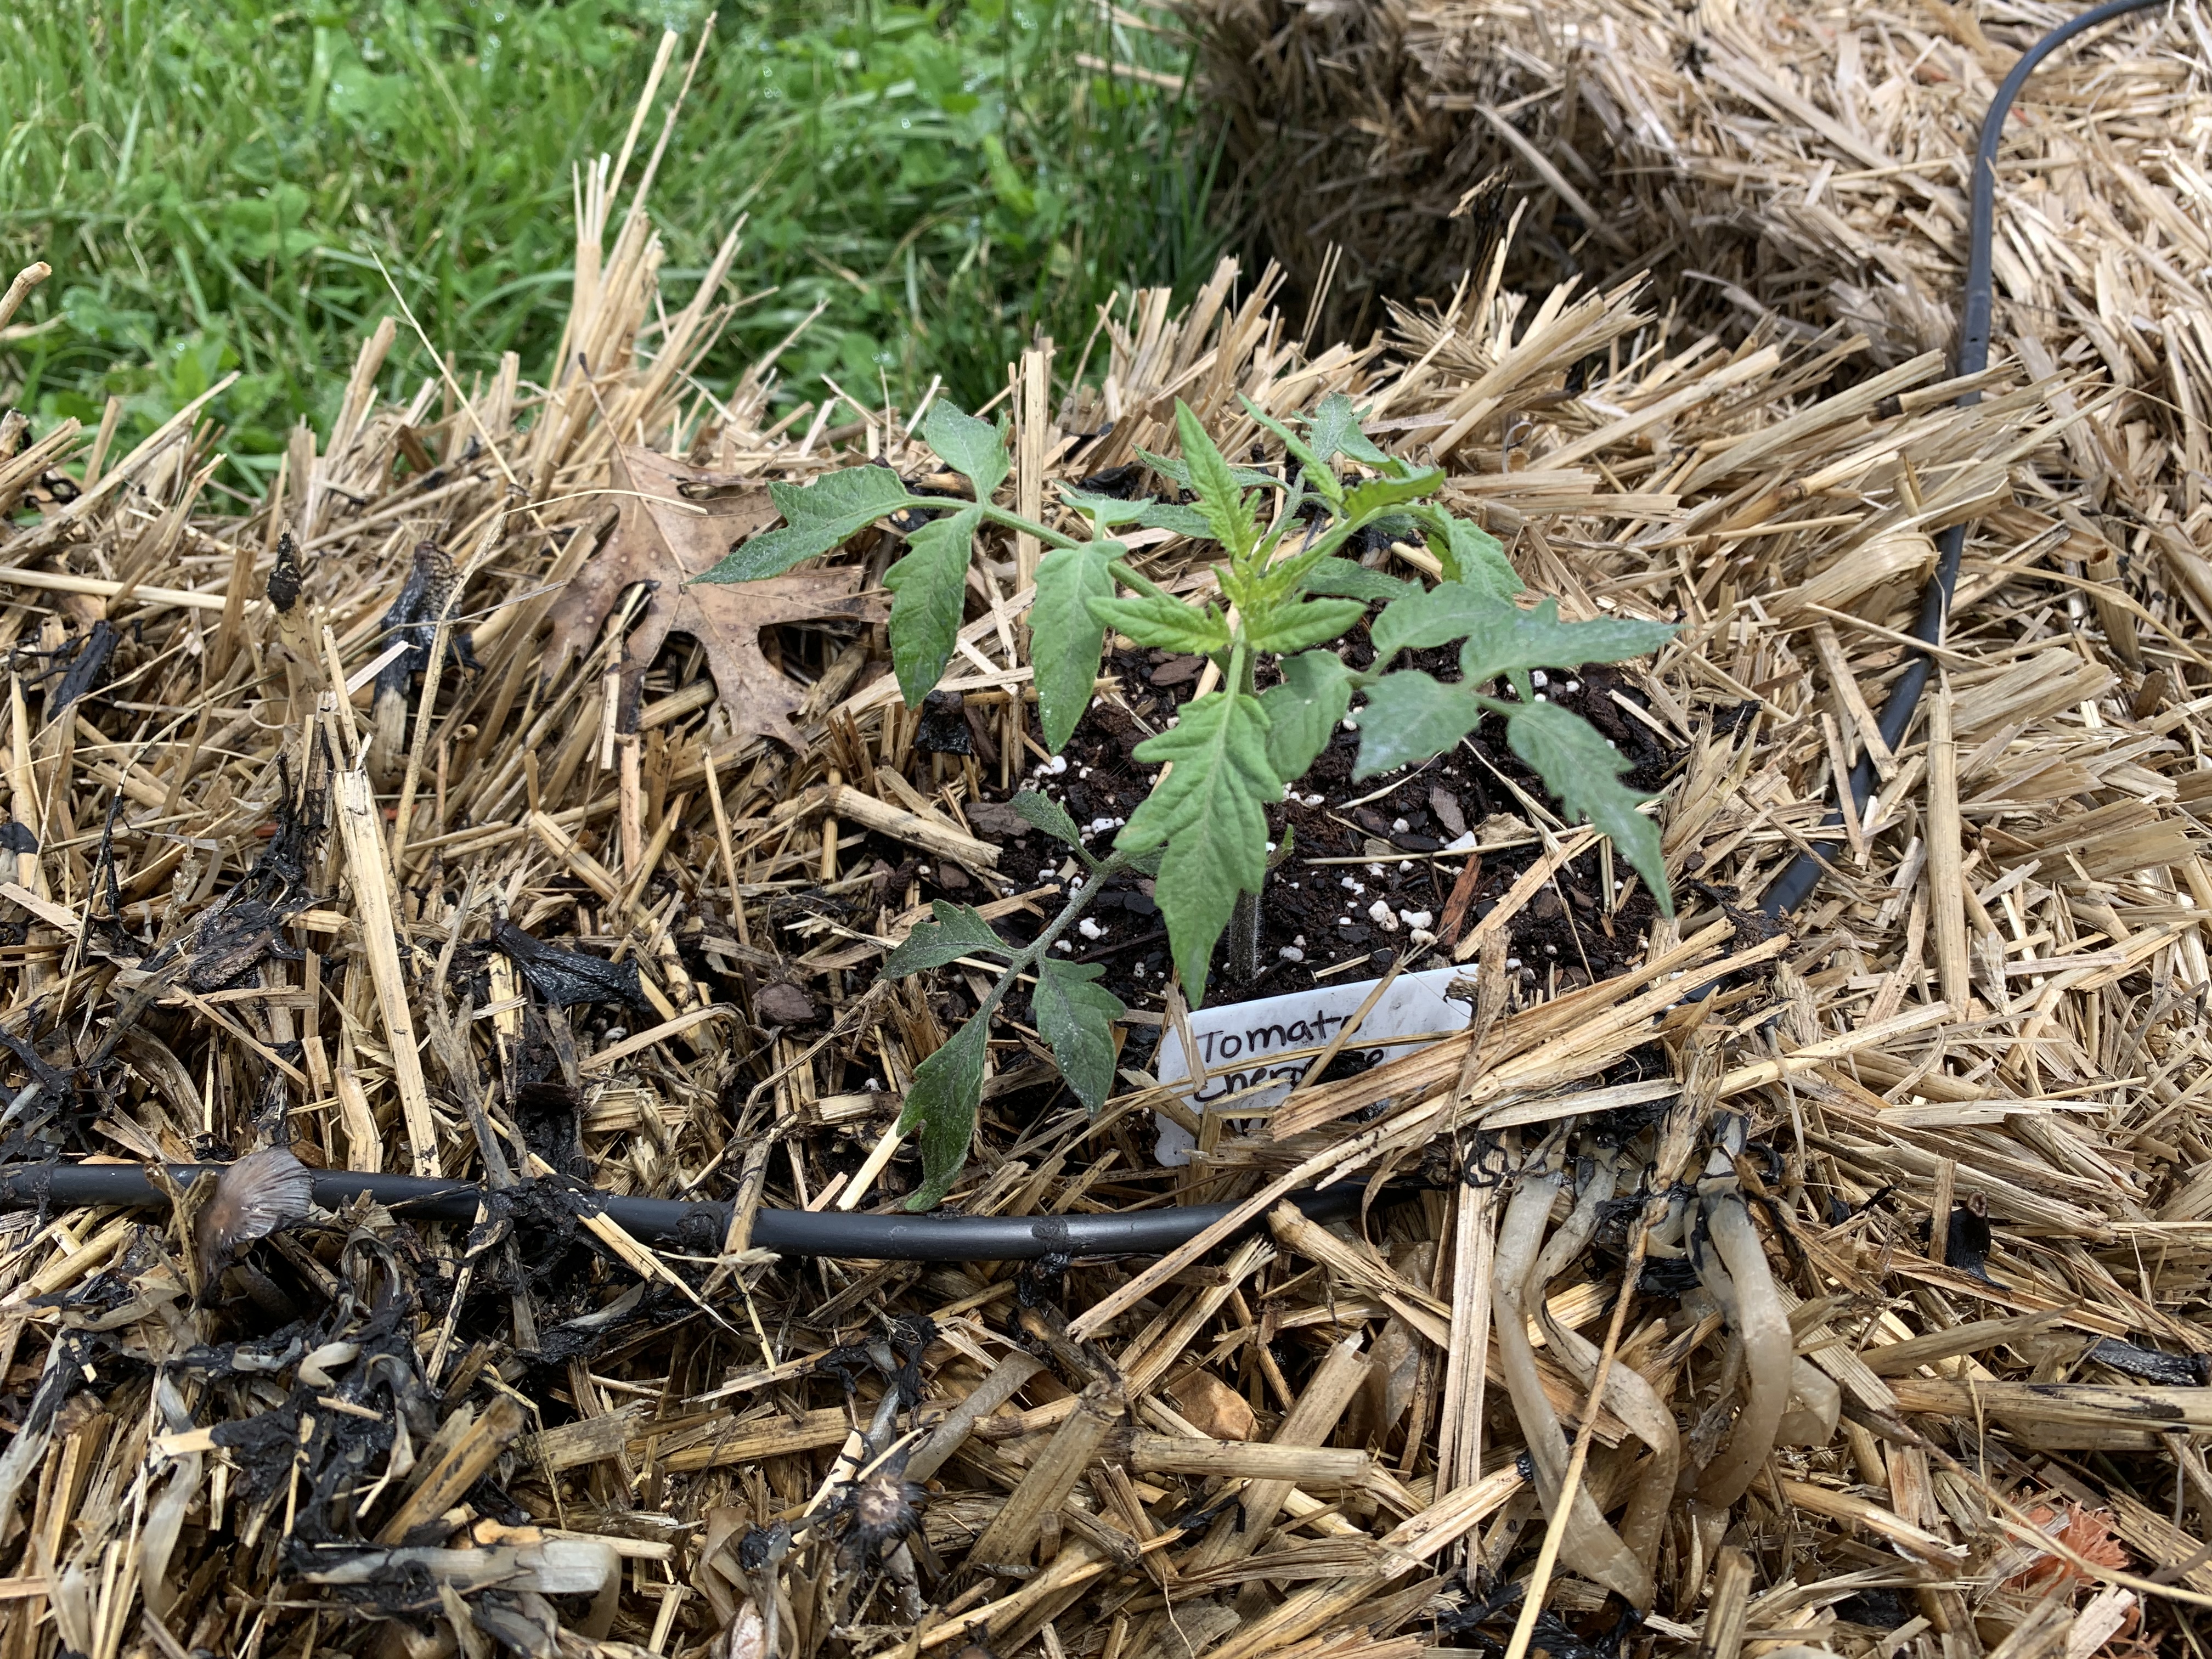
column 820, row 516
column 1320, row 478
column 1209, row 817
column 1583, row 771
column 1508, row 639
column 1047, row 815
column 1076, row 1017
column 1348, row 581
column 941, row 1102
column 1066, row 637
column 1227, row 513
column 929, row 589
column 1294, row 627
column 959, row 930
column 1378, row 495
column 1501, row 637
column 1178, row 472
column 1107, row 511
column 1180, row 517
column 1304, row 710
column 1438, row 616
column 971, row 447
column 1335, row 431
column 1471, row 555
column 1408, row 717
column 1167, row 624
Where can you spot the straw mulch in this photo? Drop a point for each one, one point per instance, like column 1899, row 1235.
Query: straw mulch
column 1809, row 163
column 272, row 884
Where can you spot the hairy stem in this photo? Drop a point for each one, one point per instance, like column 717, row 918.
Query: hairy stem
column 1130, row 577
column 1034, row 952
column 1246, row 919
column 1000, row 515
column 996, row 515
column 1243, row 963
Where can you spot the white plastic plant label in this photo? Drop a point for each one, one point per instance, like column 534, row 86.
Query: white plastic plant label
column 1240, row 1044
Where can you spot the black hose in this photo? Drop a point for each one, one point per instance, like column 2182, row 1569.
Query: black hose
column 1795, row 884
column 792, row 1232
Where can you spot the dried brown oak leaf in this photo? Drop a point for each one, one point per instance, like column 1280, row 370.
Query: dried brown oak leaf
column 676, row 522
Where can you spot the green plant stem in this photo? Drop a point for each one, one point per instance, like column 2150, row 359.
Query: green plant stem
column 1130, row 577
column 998, row 515
column 1246, row 919
column 1099, row 873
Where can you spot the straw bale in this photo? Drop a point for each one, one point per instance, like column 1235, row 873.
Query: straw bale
column 256, row 901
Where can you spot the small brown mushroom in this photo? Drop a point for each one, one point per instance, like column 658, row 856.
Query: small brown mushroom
column 256, row 1196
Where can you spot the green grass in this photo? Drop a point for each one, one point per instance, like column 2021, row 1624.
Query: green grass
column 210, row 181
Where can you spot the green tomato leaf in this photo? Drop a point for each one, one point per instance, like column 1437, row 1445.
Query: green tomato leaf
column 1050, row 816
column 1357, row 581
column 1335, row 431
column 1471, row 555
column 1241, row 590
column 1209, row 817
column 1227, row 513
column 1294, row 627
column 941, row 1102
column 1077, row 1018
column 1503, row 638
column 1409, row 717
column 1313, row 468
column 1436, row 616
column 1180, row 517
column 1067, row 638
column 971, row 447
column 959, row 931
column 821, row 516
column 1582, row 769
column 1167, row 623
column 1380, row 494
column 1178, row 472
column 929, row 590
column 1304, row 710
column 1508, row 639
column 1106, row 512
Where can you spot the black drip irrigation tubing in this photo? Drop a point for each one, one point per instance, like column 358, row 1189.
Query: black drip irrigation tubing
column 1795, row 884
column 1132, row 1232
column 789, row 1232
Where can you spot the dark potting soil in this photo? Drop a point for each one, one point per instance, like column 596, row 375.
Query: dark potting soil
column 1343, row 848
column 1348, row 846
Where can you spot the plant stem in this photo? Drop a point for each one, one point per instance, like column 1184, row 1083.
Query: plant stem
column 1245, row 920
column 1000, row 515
column 1243, row 963
column 1129, row 577
column 1035, row 952
column 997, row 515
